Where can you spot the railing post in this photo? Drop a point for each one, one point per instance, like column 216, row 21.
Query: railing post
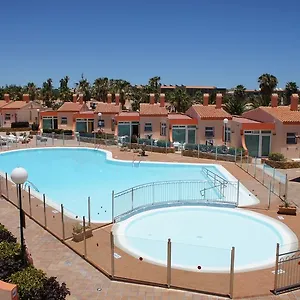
column 45, row 216
column 169, row 262
column 112, row 249
column 255, row 162
column 269, row 195
column 52, row 138
column 63, row 136
column 216, row 153
column 151, row 145
column 263, row 174
column 95, row 139
column 113, row 206
column 166, row 147
column 29, row 200
column 6, row 185
column 241, row 158
column 276, row 267
column 84, row 237
column 79, row 138
column 286, row 188
column 273, row 179
column 132, row 199
column 62, row 221
column 232, row 272
column 36, row 140
column 89, row 211
column 153, row 193
column 238, row 193
column 235, row 154
column 198, row 150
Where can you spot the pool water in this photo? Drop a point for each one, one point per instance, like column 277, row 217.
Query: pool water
column 203, row 236
column 69, row 176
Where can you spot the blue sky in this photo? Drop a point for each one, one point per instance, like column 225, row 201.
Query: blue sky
column 192, row 42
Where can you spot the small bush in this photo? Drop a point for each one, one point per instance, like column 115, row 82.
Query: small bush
column 6, row 235
column 35, row 127
column 53, row 290
column 20, row 125
column 276, row 157
column 9, row 267
column 9, row 250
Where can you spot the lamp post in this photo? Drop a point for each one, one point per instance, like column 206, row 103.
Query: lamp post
column 225, row 121
column 99, row 121
column 19, row 176
column 38, row 117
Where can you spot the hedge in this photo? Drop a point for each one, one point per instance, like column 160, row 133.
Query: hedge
column 58, row 131
column 19, row 124
column 7, row 129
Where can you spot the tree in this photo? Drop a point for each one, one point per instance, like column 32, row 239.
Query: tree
column 236, row 103
column 65, row 93
column 47, row 92
column 15, row 91
column 267, row 84
column 179, row 100
column 154, row 86
column 100, row 89
column 122, row 87
column 138, row 96
column 83, row 87
column 290, row 89
column 198, row 97
column 31, row 89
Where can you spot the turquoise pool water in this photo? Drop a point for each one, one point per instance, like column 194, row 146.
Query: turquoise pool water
column 203, row 236
column 70, row 175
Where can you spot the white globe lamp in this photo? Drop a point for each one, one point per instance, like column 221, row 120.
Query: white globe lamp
column 19, row 175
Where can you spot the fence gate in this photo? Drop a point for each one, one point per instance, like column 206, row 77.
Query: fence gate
column 287, row 271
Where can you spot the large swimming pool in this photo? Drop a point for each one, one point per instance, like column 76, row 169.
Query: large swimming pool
column 202, row 237
column 69, row 176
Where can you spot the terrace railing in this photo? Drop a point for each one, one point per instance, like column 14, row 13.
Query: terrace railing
column 172, row 193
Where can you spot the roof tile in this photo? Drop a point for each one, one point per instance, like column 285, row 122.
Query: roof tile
column 15, row 105
column 71, row 106
column 152, row 109
column 211, row 112
column 283, row 113
column 108, row 108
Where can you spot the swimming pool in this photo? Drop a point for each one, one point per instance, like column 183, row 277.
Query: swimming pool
column 69, row 176
column 203, row 236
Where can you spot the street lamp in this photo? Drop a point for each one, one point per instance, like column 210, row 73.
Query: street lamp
column 19, row 176
column 99, row 121
column 225, row 121
column 38, row 118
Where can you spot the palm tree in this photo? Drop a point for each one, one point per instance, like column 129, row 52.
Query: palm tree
column 83, row 87
column 15, row 91
column 31, row 89
column 290, row 89
column 100, row 89
column 47, row 92
column 236, row 103
column 267, row 84
column 198, row 97
column 120, row 86
column 179, row 100
column 65, row 93
column 137, row 96
column 154, row 86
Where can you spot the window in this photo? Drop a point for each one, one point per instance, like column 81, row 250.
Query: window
column 7, row 117
column 291, row 138
column 163, row 129
column 148, row 127
column 227, row 134
column 209, row 131
column 64, row 120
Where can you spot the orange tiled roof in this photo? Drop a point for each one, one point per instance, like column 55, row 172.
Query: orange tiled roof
column 282, row 113
column 108, row 108
column 15, row 105
column 3, row 102
column 147, row 109
column 174, row 116
column 71, row 106
column 210, row 112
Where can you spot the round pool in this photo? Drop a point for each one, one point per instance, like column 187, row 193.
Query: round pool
column 202, row 238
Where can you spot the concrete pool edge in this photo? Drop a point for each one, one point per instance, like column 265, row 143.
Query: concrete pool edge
column 244, row 192
column 290, row 242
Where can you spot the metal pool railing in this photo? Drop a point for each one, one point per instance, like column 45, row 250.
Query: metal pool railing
column 172, row 193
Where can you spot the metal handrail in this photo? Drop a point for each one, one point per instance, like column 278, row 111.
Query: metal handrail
column 214, row 175
column 29, row 183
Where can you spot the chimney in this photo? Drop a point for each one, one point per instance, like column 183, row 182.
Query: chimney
column 219, row 98
column 26, row 98
column 81, row 98
column 294, row 102
column 274, row 100
column 205, row 99
column 117, row 99
column 162, row 100
column 6, row 98
column 152, row 98
column 108, row 98
column 74, row 98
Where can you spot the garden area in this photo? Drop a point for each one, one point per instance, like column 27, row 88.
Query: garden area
column 33, row 284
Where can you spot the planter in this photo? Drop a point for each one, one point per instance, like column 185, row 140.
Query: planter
column 78, row 237
column 288, row 164
column 290, row 210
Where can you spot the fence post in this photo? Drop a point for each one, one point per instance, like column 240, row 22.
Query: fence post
column 273, row 179
column 29, row 200
column 238, row 193
column 255, row 161
column 198, row 150
column 45, row 217
column 235, row 154
column 89, row 211
column 132, row 199
column 263, row 174
column 248, row 163
column 63, row 136
column 112, row 249
column 95, row 139
column 151, row 144
column 52, row 138
column 6, row 185
column 79, row 138
column 36, row 140
column 153, row 193
column 216, row 153
column 169, row 262
column 166, row 147
column 62, row 221
column 232, row 272
column 286, row 188
column 84, row 236
column 269, row 195
column 113, row 206
column 241, row 158
column 276, row 267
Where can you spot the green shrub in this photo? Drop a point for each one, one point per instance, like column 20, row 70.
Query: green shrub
column 9, row 250
column 35, row 127
column 53, row 290
column 19, row 125
column 6, row 235
column 9, row 267
column 276, row 157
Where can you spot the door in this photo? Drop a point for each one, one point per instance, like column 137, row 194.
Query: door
column 252, row 144
column 265, row 145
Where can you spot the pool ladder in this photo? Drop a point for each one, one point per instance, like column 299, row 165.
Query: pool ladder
column 29, row 183
column 135, row 162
